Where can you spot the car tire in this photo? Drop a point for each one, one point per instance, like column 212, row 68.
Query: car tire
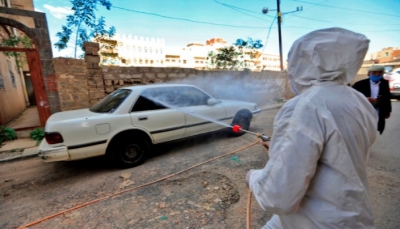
column 243, row 120
column 128, row 152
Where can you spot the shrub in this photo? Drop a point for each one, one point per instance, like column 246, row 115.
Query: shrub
column 37, row 134
column 6, row 134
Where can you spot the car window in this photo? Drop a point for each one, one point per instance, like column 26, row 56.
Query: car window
column 150, row 99
column 388, row 68
column 110, row 102
column 146, row 103
column 191, row 96
column 169, row 97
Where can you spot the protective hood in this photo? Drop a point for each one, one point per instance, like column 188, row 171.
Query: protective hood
column 326, row 57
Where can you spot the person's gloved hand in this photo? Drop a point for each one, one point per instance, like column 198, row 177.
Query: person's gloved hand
column 265, row 144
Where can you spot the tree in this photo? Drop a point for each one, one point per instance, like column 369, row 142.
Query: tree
column 84, row 24
column 234, row 57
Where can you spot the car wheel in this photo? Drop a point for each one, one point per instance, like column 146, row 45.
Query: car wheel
column 130, row 152
column 243, row 120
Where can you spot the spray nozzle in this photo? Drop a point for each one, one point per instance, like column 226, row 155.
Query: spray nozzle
column 263, row 137
column 237, row 129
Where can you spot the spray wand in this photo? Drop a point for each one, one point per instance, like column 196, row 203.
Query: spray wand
column 237, row 128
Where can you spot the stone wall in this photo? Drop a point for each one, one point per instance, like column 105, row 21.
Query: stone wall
column 72, row 78
column 260, row 87
column 95, row 80
column 82, row 83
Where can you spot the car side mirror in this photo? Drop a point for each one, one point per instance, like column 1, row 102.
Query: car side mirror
column 212, row 101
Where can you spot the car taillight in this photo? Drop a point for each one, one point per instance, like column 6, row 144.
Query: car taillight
column 53, row 138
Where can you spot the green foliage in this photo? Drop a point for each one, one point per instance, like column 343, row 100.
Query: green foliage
column 16, row 41
column 6, row 134
column 233, row 57
column 84, row 24
column 227, row 58
column 37, row 134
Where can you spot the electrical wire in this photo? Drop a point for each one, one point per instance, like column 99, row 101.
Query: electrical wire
column 188, row 20
column 240, row 10
column 231, row 6
column 269, row 31
column 344, row 8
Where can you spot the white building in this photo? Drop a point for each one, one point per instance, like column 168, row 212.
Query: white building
column 151, row 52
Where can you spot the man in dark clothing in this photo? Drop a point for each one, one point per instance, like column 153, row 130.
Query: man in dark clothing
column 376, row 89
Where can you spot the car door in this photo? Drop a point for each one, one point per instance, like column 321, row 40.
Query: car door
column 152, row 114
column 200, row 117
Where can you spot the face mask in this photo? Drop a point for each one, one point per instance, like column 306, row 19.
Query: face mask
column 375, row 78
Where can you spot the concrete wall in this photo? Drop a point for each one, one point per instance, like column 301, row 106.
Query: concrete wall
column 12, row 99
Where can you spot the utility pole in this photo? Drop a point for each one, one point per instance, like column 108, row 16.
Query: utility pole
column 278, row 3
column 279, row 14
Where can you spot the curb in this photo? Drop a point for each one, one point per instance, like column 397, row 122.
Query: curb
column 27, row 153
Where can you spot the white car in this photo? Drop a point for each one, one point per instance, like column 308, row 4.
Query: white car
column 394, row 82
column 127, row 122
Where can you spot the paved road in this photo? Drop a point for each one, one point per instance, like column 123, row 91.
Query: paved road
column 210, row 196
column 384, row 173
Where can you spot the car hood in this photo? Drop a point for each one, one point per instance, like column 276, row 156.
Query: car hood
column 72, row 115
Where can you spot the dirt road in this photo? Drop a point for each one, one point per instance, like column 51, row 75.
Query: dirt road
column 213, row 195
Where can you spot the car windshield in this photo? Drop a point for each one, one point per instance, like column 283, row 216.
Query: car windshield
column 111, row 102
column 388, row 69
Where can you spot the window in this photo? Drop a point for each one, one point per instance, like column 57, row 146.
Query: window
column 190, row 96
column 146, row 104
column 111, row 102
column 10, row 69
column 151, row 99
column 170, row 97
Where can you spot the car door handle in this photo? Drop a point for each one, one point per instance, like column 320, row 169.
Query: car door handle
column 143, row 118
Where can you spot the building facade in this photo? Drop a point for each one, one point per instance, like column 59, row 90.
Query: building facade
column 152, row 52
column 13, row 94
column 386, row 55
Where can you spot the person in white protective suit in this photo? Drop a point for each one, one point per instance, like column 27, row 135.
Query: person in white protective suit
column 316, row 174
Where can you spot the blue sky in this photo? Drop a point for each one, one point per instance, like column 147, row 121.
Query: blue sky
column 180, row 22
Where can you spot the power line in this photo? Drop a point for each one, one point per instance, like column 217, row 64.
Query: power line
column 188, row 20
column 313, row 19
column 347, row 23
column 244, row 13
column 231, row 6
column 344, row 8
column 269, row 31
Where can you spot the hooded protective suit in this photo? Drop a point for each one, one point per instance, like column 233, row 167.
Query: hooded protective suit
column 316, row 175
